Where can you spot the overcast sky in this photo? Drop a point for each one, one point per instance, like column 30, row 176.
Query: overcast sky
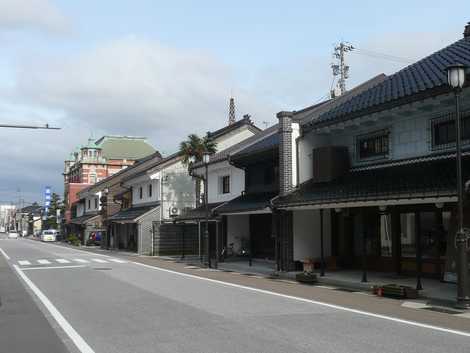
column 164, row 69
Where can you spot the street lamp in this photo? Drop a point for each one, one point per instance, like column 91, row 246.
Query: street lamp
column 205, row 160
column 456, row 80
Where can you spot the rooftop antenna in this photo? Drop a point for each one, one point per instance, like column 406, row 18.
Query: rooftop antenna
column 231, row 111
column 340, row 68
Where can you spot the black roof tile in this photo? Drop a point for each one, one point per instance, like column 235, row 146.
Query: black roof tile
column 247, row 203
column 131, row 213
column 398, row 181
column 423, row 76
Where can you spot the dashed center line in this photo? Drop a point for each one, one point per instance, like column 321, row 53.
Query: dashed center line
column 63, row 261
column 83, row 261
column 44, row 262
column 24, row 262
column 100, row 261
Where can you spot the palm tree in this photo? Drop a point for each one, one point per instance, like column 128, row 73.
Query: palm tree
column 196, row 146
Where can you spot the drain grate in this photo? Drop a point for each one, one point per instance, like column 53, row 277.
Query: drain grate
column 345, row 290
column 443, row 310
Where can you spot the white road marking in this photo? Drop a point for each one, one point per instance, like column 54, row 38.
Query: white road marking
column 52, row 267
column 24, row 262
column 82, row 261
column 79, row 342
column 71, row 249
column 118, row 261
column 100, row 261
column 4, row 254
column 63, row 261
column 44, row 262
column 310, row 301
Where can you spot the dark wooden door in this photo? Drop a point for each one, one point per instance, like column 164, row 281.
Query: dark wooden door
column 261, row 240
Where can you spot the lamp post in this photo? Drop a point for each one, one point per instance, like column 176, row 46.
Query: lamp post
column 205, row 159
column 456, row 80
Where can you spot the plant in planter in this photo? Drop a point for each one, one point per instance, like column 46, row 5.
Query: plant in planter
column 309, row 266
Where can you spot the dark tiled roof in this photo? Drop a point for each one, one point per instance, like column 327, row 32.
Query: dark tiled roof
column 223, row 155
column 422, row 179
column 83, row 219
column 270, row 142
column 34, row 209
column 198, row 212
column 226, row 129
column 132, row 213
column 247, row 203
column 424, row 78
column 309, row 114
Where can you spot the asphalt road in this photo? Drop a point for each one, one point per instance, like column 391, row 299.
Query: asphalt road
column 108, row 304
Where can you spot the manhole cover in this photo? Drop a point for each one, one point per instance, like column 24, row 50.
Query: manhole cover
column 102, row 268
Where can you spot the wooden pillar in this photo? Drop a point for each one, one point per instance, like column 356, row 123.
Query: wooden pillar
column 250, row 245
column 364, row 246
column 418, row 250
column 217, row 252
column 396, row 240
column 322, row 250
column 199, row 241
column 183, row 230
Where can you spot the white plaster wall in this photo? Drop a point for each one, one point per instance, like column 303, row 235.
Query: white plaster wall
column 177, row 189
column 306, row 144
column 80, row 209
column 307, row 234
column 136, row 200
column 233, row 138
column 410, row 136
column 92, row 199
column 237, row 181
column 238, row 227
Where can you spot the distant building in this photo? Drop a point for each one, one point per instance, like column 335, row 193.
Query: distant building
column 98, row 160
column 7, row 217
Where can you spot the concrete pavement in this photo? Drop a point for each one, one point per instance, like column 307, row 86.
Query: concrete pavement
column 23, row 327
column 129, row 306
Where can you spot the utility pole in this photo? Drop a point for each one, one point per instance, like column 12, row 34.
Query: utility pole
column 340, row 68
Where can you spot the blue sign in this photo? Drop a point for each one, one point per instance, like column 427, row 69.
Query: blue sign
column 47, row 198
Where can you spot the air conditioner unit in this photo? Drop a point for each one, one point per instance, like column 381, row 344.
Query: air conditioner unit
column 174, row 211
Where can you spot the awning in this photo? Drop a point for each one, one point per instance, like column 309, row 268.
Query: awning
column 84, row 219
column 132, row 215
column 198, row 213
column 248, row 204
column 416, row 181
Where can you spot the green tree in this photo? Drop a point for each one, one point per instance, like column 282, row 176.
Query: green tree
column 56, row 204
column 196, row 146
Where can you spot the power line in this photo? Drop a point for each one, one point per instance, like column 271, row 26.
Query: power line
column 383, row 56
column 43, row 127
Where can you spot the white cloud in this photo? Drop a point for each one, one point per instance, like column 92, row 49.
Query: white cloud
column 136, row 86
column 31, row 14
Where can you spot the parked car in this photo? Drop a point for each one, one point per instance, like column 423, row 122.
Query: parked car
column 12, row 234
column 49, row 235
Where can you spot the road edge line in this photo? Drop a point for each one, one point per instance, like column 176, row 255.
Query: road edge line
column 79, row 342
column 52, row 267
column 311, row 301
column 4, row 254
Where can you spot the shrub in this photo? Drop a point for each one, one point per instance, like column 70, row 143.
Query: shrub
column 73, row 239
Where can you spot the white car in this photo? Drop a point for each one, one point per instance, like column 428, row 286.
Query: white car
column 49, row 235
column 12, row 234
